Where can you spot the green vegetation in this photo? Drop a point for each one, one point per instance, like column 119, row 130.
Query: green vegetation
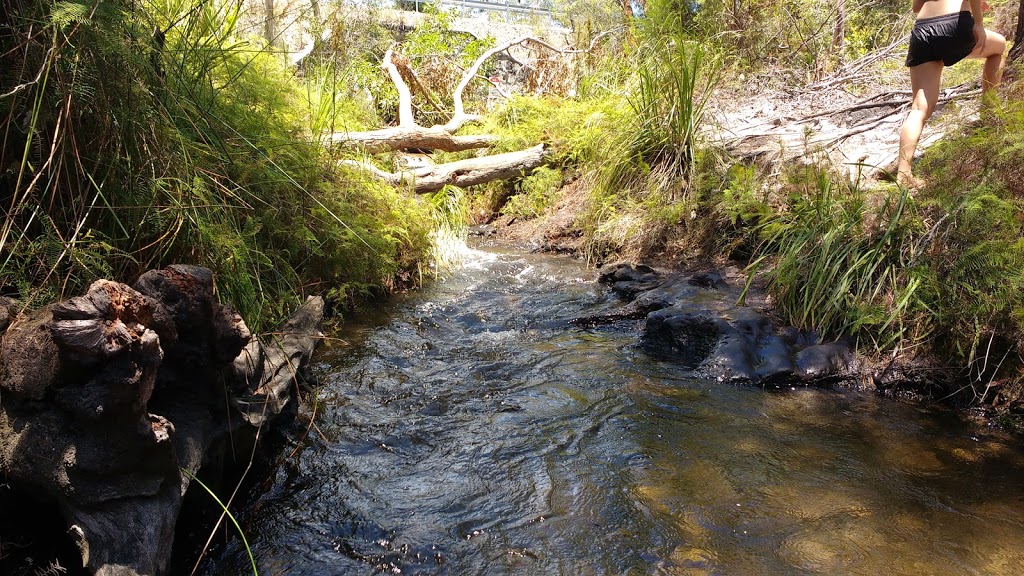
column 650, row 164
column 942, row 272
column 534, row 194
column 795, row 40
column 936, row 274
column 843, row 261
column 126, row 149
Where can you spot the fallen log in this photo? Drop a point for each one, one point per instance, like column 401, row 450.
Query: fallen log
column 461, row 173
column 412, row 137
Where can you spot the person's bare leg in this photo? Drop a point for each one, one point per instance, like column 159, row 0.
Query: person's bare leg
column 924, row 84
column 995, row 46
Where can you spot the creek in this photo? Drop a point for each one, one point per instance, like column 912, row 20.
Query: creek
column 470, row 428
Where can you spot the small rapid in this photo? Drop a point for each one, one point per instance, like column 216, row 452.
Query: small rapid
column 471, row 428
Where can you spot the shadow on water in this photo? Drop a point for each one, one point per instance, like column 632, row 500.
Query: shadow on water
column 470, row 429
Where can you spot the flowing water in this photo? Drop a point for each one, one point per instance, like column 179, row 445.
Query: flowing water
column 471, row 429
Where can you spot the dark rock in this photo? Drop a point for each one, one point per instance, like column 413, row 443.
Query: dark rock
column 775, row 360
column 685, row 337
column 695, row 321
column 732, row 359
column 623, row 272
column 712, row 279
column 830, row 361
column 736, row 357
column 665, row 294
column 628, row 280
column 105, row 398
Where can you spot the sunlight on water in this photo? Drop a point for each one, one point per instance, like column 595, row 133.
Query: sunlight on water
column 472, row 429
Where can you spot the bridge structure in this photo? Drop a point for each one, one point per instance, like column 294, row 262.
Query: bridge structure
column 505, row 20
column 510, row 9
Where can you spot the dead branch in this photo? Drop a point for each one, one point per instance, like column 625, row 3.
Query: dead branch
column 850, row 70
column 408, row 134
column 884, row 100
column 410, row 76
column 460, row 118
column 460, row 173
column 405, row 118
column 409, row 137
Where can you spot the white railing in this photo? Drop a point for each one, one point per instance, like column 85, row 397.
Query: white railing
column 507, row 7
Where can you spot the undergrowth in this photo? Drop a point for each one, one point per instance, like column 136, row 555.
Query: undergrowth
column 125, row 149
column 975, row 199
column 938, row 274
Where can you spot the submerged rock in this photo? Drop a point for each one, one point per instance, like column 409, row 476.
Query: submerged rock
column 106, row 398
column 629, row 280
column 695, row 321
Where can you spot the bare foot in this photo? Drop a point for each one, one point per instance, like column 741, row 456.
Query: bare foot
column 909, row 181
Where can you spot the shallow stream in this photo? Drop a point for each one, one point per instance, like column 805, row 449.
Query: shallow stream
column 471, row 429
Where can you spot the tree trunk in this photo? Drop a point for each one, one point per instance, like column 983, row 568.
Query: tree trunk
column 110, row 403
column 408, row 134
column 839, row 32
column 1017, row 51
column 270, row 23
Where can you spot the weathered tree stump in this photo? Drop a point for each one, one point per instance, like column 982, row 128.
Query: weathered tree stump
column 106, row 398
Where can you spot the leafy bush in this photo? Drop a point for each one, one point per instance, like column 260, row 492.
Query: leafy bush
column 573, row 130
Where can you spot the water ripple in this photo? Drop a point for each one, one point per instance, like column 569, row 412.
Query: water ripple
column 470, row 429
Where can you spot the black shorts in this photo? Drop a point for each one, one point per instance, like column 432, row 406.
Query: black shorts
column 949, row 38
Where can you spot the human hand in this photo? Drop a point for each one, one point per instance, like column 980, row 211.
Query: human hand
column 979, row 37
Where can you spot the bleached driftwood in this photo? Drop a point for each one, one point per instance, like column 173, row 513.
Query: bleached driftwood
column 408, row 134
column 469, row 172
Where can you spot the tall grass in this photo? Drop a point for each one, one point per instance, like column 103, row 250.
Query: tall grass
column 224, row 508
column 672, row 88
column 940, row 274
column 666, row 101
column 133, row 149
column 645, row 179
column 846, row 263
